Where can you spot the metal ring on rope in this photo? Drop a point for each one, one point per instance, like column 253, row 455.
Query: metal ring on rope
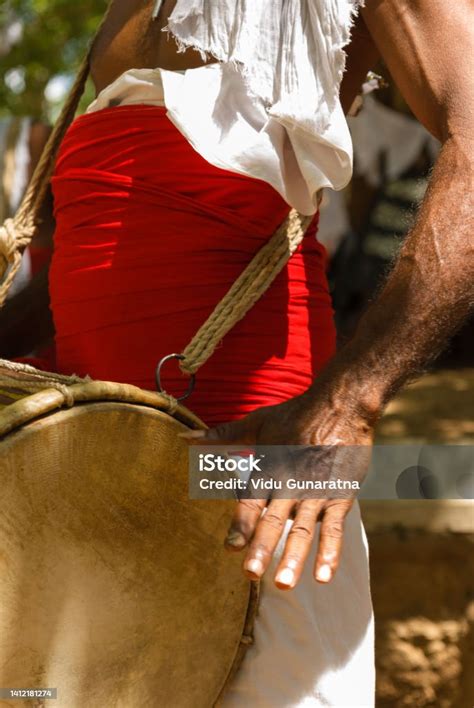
column 159, row 386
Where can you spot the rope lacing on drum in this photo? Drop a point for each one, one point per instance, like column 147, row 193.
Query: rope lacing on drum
column 14, row 374
column 172, row 401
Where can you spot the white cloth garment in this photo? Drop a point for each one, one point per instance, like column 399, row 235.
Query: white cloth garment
column 291, row 52
column 270, row 108
column 314, row 645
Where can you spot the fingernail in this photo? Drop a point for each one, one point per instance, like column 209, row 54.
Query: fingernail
column 192, row 434
column 235, row 539
column 324, row 573
column 254, row 566
column 286, row 577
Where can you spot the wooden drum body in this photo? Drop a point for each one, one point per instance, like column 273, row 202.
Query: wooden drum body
column 114, row 586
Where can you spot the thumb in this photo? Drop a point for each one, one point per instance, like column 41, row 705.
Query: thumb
column 237, row 431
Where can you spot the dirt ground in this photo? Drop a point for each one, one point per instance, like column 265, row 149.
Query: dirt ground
column 422, row 570
column 439, row 407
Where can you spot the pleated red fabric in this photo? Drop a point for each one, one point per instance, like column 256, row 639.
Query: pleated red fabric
column 149, row 237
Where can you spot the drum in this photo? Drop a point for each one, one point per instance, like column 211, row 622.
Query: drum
column 115, row 587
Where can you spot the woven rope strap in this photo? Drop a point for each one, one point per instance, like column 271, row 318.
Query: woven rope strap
column 247, row 289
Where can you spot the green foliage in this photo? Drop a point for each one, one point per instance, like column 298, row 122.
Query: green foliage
column 55, row 38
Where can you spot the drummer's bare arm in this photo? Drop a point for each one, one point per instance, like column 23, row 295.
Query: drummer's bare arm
column 427, row 45
column 362, row 55
column 132, row 39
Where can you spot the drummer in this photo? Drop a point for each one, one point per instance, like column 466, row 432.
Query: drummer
column 164, row 191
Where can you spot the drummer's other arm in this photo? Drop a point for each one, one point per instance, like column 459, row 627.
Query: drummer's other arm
column 427, row 45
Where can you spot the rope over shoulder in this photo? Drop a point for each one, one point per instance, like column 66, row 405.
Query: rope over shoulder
column 246, row 291
column 8, row 240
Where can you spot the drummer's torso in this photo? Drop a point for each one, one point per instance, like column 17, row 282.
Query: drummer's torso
column 150, row 235
column 131, row 38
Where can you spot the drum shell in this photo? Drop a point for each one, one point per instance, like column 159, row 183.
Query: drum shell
column 116, row 588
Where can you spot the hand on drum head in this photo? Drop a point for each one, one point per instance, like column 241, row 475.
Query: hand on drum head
column 258, row 524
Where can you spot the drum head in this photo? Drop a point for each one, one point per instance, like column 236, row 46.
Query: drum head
column 115, row 588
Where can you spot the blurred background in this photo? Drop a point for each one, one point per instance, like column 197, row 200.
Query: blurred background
column 422, row 560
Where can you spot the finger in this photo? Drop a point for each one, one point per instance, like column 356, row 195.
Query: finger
column 238, row 431
column 268, row 532
column 298, row 544
column 244, row 522
column 330, row 540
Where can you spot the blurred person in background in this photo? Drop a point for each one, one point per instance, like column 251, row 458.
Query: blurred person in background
column 22, row 141
column 25, row 320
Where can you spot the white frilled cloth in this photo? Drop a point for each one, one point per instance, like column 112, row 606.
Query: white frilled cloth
column 270, row 107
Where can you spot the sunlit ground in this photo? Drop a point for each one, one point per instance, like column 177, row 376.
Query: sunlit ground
column 437, row 408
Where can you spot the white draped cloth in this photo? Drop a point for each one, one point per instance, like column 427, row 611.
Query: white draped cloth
column 281, row 66
column 270, row 107
column 314, row 645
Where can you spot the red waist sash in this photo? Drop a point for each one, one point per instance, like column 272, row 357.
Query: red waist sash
column 149, row 237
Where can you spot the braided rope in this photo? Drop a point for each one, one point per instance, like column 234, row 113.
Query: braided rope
column 247, row 289
column 14, row 238
column 13, row 374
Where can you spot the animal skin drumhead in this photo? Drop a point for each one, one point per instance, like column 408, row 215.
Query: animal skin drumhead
column 114, row 586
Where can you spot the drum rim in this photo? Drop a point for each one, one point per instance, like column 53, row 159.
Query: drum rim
column 35, row 405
